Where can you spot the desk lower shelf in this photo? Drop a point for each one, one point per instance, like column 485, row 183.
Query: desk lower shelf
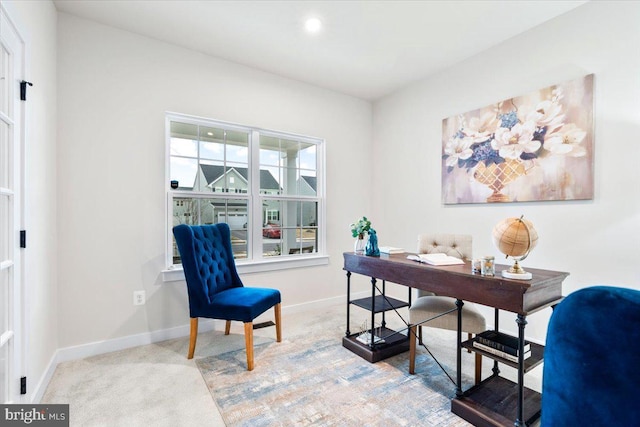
column 536, row 358
column 395, row 343
column 494, row 402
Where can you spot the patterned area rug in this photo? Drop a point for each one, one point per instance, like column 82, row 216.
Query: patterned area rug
column 311, row 380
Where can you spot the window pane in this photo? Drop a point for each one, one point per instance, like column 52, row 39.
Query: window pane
column 4, row 82
column 307, row 185
column 5, row 153
column 185, row 211
column 270, row 181
column 308, row 159
column 309, row 214
column 184, row 138
column 4, row 303
column 289, row 170
column 289, row 149
column 237, row 178
column 271, row 230
column 287, row 181
column 4, row 368
column 184, row 171
column 269, row 151
column 308, row 231
column 184, row 147
column 212, row 143
column 5, row 227
column 237, row 146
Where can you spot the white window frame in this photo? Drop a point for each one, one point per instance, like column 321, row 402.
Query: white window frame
column 256, row 262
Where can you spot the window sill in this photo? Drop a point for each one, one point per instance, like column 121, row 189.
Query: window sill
column 176, row 274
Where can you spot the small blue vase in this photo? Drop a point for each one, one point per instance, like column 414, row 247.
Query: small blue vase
column 371, row 249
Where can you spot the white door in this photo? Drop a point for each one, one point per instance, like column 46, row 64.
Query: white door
column 11, row 73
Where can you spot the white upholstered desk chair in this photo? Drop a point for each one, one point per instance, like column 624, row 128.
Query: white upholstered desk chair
column 428, row 304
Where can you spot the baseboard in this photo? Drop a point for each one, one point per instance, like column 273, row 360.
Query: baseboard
column 204, row 325
column 41, row 387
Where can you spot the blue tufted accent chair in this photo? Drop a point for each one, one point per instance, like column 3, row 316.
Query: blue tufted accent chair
column 591, row 374
column 214, row 287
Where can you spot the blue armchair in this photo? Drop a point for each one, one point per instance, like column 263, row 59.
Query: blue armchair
column 214, row 287
column 591, row 374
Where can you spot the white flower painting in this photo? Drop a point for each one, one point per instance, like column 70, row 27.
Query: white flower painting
column 534, row 147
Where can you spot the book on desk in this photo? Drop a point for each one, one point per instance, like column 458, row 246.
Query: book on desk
column 391, row 250
column 436, row 259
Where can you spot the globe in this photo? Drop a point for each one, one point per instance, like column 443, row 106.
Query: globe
column 516, row 238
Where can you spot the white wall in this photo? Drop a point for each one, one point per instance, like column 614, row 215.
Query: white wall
column 37, row 22
column 597, row 241
column 114, row 89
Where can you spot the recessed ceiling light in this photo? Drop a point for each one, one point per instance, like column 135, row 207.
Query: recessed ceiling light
column 313, row 25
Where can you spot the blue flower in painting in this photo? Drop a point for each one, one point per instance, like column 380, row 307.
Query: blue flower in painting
column 482, row 152
column 508, row 120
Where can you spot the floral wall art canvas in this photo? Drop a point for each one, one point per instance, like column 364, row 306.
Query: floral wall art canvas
column 529, row 148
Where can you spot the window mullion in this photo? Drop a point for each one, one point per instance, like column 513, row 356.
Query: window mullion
column 255, row 197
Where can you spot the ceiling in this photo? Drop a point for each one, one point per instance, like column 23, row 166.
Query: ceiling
column 366, row 49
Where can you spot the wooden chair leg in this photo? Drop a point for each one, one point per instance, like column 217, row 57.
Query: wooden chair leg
column 248, row 339
column 412, row 349
column 192, row 337
column 478, row 368
column 420, row 335
column 227, row 327
column 277, row 311
column 469, row 337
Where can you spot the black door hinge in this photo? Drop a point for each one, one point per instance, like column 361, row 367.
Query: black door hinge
column 23, row 89
column 23, row 238
column 23, row 385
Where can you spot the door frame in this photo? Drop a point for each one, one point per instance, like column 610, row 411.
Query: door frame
column 17, row 292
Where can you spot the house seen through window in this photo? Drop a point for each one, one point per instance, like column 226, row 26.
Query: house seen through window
column 264, row 184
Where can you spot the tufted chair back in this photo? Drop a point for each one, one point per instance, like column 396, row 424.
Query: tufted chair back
column 590, row 375
column 207, row 260
column 457, row 245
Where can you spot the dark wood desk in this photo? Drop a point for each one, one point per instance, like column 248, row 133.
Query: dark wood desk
column 490, row 403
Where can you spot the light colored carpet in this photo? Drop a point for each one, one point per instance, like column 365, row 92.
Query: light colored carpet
column 309, row 371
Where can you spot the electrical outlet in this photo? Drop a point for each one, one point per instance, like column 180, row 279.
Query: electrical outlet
column 138, row 297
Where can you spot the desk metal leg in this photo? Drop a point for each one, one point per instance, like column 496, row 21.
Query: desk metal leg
column 496, row 326
column 373, row 313
column 348, row 332
column 459, row 304
column 384, row 292
column 521, row 321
